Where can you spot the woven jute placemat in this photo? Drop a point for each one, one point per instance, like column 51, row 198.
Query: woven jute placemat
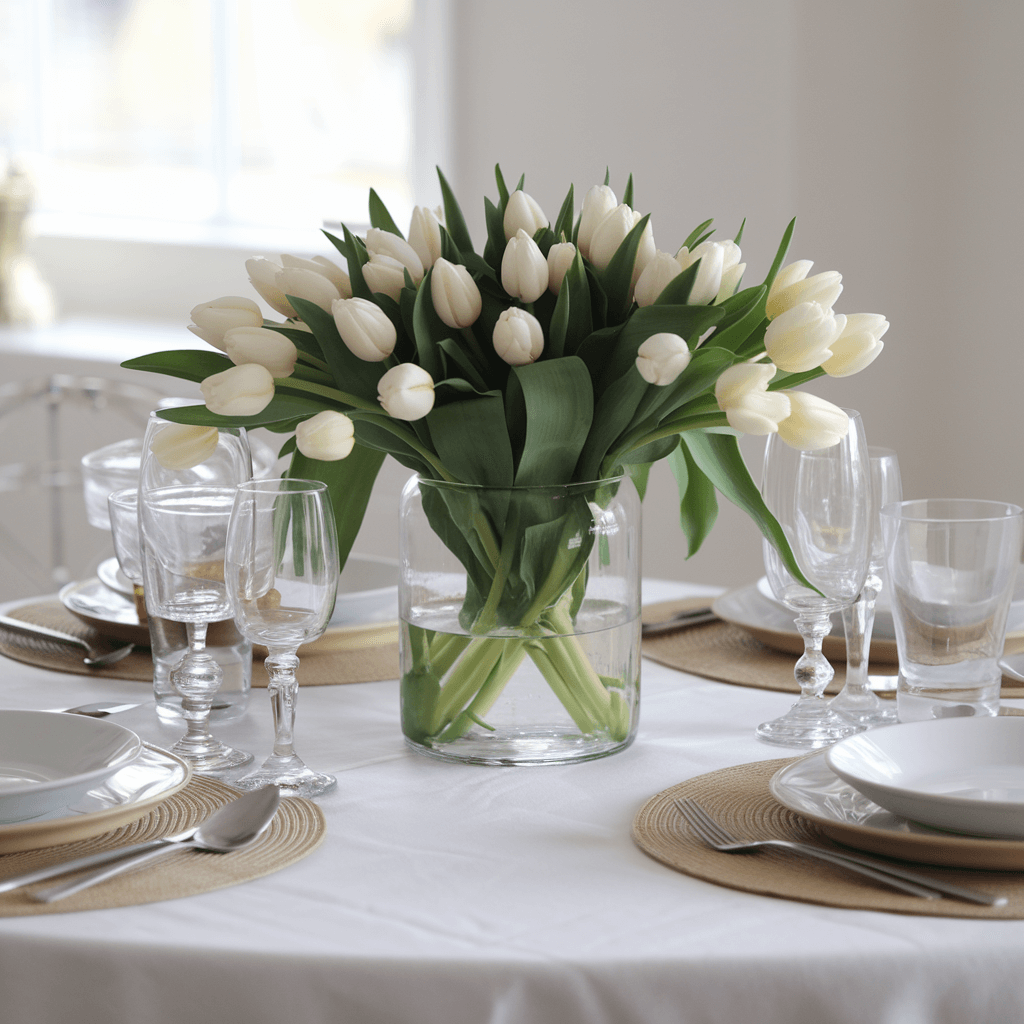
column 344, row 654
column 298, row 829
column 738, row 797
column 729, row 654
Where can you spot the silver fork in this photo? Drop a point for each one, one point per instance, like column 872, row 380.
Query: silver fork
column 714, row 835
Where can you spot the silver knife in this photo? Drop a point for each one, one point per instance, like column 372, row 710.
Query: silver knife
column 51, row 634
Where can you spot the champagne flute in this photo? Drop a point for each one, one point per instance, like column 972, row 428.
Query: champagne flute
column 183, row 531
column 281, row 569
column 856, row 700
column 822, row 501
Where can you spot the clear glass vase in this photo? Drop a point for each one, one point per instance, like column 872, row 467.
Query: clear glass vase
column 520, row 615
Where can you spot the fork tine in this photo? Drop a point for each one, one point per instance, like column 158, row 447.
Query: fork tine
column 694, row 813
column 695, row 825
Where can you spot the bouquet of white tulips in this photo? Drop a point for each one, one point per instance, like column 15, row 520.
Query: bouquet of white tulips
column 566, row 352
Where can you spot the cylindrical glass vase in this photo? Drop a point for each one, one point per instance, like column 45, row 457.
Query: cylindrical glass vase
column 520, row 616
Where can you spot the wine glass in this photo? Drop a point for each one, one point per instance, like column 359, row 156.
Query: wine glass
column 224, row 460
column 123, row 512
column 822, row 501
column 281, row 570
column 183, row 532
column 856, row 700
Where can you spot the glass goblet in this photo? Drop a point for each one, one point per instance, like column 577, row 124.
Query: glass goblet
column 856, row 700
column 123, row 510
column 183, row 531
column 180, row 455
column 281, row 569
column 822, row 501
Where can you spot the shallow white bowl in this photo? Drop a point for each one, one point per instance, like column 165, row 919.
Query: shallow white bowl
column 958, row 774
column 49, row 760
column 367, row 591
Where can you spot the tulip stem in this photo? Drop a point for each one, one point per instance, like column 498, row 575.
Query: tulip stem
column 639, row 438
column 321, row 391
column 382, row 419
column 474, row 349
column 320, row 364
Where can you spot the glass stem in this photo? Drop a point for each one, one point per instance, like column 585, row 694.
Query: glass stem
column 813, row 672
column 858, row 623
column 284, row 688
column 197, row 678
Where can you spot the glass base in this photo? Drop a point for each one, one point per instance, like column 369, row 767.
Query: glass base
column 866, row 710
column 809, row 724
column 525, row 746
column 292, row 776
column 213, row 758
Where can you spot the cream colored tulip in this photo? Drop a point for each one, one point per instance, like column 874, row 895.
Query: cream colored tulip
column 328, row 436
column 742, row 394
column 662, row 357
column 812, row 423
column 338, row 277
column 263, row 277
column 655, row 277
column 858, row 345
column 792, row 286
column 260, row 345
column 524, row 271
column 597, row 204
column 522, row 213
column 365, row 328
column 307, row 284
column 732, row 270
column 210, row 320
column 645, row 250
column 560, row 257
column 708, row 281
column 518, row 337
column 182, row 445
column 238, row 391
column 385, row 243
column 425, row 235
column 384, row 274
column 406, row 392
column 609, row 235
column 457, row 300
column 801, row 338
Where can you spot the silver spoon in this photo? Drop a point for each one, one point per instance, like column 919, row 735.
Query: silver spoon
column 234, row 826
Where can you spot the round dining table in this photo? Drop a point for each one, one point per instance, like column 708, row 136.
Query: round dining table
column 480, row 895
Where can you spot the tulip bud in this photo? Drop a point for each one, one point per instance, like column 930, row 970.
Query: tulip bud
column 645, row 250
column 801, row 338
column 656, row 275
column 406, row 391
column 522, row 214
column 307, row 284
column 262, row 276
column 210, row 320
column 338, row 277
column 328, row 436
column 742, row 394
column 425, row 235
column 182, row 445
column 259, row 345
column 812, row 423
column 518, row 337
column 238, row 391
column 384, row 243
column 560, row 257
column 792, row 286
column 709, row 274
column 608, row 235
column 662, row 357
column 732, row 270
column 384, row 274
column 597, row 204
column 454, row 293
column 524, row 271
column 858, row 345
column 365, row 329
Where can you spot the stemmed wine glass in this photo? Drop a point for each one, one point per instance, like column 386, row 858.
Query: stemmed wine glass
column 183, row 532
column 822, row 501
column 176, row 454
column 123, row 509
column 856, row 700
column 281, row 570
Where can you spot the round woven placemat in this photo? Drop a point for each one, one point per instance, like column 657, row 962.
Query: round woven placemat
column 729, row 654
column 298, row 828
column 738, row 797
column 344, row 654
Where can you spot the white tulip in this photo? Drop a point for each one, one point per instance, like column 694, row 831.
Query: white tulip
column 210, row 320
column 732, row 270
column 328, row 436
column 522, row 213
column 182, row 445
column 259, row 345
column 812, row 423
column 518, row 337
column 742, row 394
column 655, row 276
column 792, row 286
column 597, row 204
column 238, row 391
column 646, row 250
column 406, row 392
column 365, row 329
column 307, row 284
column 609, row 234
column 338, row 277
column 662, row 357
column 425, row 235
column 524, row 271
column 560, row 257
column 858, row 345
column 384, row 274
column 801, row 338
column 263, row 277
column 456, row 297
column 384, row 243
column 709, row 274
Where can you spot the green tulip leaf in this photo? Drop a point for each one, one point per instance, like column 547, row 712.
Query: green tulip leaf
column 618, row 275
column 733, row 335
column 379, row 216
column 782, row 379
column 426, row 326
column 780, row 254
column 471, row 440
column 677, row 291
column 563, row 222
column 304, row 341
column 287, row 448
column 188, row 364
column 494, row 248
column 560, row 318
column 357, row 258
column 691, row 238
column 456, row 354
column 580, row 324
column 698, row 505
column 651, row 452
column 338, row 244
column 627, row 195
column 281, row 409
column 738, row 237
column 503, row 192
column 453, row 216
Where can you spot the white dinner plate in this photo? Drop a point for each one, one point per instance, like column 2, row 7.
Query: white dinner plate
column 810, row 788
column 50, row 760
column 883, row 627
column 108, row 572
column 124, row 797
column 960, row 774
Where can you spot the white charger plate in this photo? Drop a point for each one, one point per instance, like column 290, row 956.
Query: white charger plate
column 50, row 760
column 810, row 788
column 965, row 775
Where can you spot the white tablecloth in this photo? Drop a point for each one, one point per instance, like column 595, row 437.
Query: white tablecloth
column 467, row 894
